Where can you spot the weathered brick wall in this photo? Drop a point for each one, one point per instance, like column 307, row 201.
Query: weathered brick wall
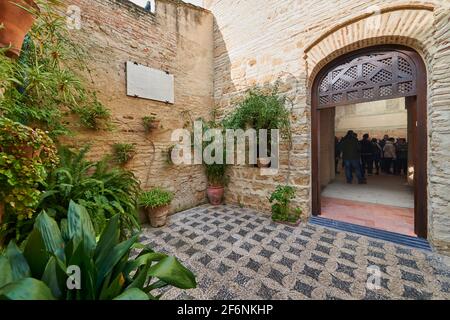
column 439, row 133
column 177, row 39
column 260, row 41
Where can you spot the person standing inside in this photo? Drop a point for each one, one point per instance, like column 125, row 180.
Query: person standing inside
column 382, row 144
column 402, row 158
column 377, row 154
column 351, row 154
column 367, row 155
column 390, row 155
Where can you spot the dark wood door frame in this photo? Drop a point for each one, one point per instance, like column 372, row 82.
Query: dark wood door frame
column 418, row 103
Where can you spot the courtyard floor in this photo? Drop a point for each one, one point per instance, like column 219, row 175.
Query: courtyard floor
column 238, row 253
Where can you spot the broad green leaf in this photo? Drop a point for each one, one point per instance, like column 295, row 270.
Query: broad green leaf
column 108, row 239
column 55, row 277
column 171, row 271
column 36, row 254
column 6, row 273
column 19, row 265
column 63, row 225
column 143, row 260
column 141, row 277
column 133, row 294
column 51, row 235
column 26, row 289
column 114, row 289
column 107, row 264
column 84, row 261
column 80, row 227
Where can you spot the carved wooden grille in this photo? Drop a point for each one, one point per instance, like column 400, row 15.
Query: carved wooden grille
column 378, row 76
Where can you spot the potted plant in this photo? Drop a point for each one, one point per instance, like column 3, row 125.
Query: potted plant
column 124, row 152
column 156, row 202
column 217, row 180
column 262, row 108
column 17, row 18
column 281, row 206
column 150, row 123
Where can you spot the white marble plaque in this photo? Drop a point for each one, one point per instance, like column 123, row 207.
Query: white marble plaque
column 147, row 83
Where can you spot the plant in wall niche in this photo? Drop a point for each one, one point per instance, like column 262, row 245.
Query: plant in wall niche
column 104, row 190
column 124, row 152
column 156, row 202
column 150, row 123
column 215, row 172
column 106, row 269
column 25, row 157
column 281, row 208
column 43, row 86
column 262, row 108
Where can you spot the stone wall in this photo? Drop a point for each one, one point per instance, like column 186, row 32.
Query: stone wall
column 178, row 38
column 260, row 41
column 376, row 118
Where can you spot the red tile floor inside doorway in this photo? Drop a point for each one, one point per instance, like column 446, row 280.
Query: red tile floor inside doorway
column 378, row 216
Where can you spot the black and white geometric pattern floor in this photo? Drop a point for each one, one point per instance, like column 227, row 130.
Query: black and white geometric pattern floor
column 237, row 253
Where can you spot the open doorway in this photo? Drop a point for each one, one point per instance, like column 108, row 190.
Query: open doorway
column 381, row 194
column 386, row 85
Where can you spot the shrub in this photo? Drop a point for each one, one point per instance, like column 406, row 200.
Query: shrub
column 25, row 157
column 155, row 198
column 107, row 272
column 281, row 209
column 124, row 152
column 44, row 86
column 215, row 172
column 149, row 123
column 103, row 189
column 261, row 109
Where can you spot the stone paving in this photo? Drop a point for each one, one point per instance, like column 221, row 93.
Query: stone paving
column 238, row 253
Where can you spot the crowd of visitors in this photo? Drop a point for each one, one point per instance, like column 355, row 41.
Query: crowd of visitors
column 362, row 157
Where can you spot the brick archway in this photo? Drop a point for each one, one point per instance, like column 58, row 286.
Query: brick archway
column 410, row 25
column 416, row 99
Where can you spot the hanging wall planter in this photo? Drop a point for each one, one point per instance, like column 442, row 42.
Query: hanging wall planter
column 17, row 19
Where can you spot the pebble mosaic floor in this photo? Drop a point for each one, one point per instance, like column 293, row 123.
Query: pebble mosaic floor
column 238, row 254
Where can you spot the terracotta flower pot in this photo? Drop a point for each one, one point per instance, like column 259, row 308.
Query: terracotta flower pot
column 158, row 216
column 154, row 124
column 16, row 23
column 215, row 195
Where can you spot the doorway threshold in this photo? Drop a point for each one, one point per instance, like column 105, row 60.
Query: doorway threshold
column 397, row 238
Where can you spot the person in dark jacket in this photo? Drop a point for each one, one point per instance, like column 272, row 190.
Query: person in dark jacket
column 377, row 154
column 401, row 165
column 351, row 154
column 366, row 155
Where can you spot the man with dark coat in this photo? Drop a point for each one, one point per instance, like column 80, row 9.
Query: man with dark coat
column 366, row 155
column 351, row 154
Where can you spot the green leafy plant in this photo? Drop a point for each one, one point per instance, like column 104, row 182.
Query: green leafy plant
column 150, row 123
column 155, row 198
column 103, row 189
column 262, row 108
column 281, row 208
column 25, row 157
column 44, row 86
column 106, row 268
column 124, row 152
column 215, row 172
